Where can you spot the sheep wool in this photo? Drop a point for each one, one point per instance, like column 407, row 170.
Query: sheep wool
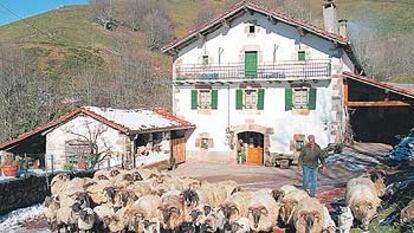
column 263, row 212
column 309, row 216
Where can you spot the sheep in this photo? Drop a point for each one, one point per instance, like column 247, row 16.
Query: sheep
column 58, row 183
column 117, row 222
column 172, row 209
column 124, row 198
column 242, row 225
column 345, row 220
column 123, row 180
column 309, row 216
column 328, row 225
column 96, row 191
column 190, row 183
column 235, row 206
column 214, row 221
column 362, row 199
column 141, row 188
column 290, row 197
column 52, row 204
column 143, row 215
column 67, row 216
column 101, row 175
column 87, row 219
column 407, row 213
column 220, row 191
column 199, row 214
column 104, row 213
column 263, row 212
column 378, row 177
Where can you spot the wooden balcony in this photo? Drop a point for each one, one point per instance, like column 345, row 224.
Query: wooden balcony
column 282, row 70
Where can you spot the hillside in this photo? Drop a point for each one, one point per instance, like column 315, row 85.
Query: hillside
column 77, row 62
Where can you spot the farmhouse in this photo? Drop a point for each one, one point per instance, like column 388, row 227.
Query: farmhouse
column 115, row 136
column 259, row 79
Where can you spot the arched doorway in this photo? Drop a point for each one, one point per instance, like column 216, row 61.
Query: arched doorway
column 253, row 143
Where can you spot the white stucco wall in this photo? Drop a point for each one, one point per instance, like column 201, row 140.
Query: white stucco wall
column 234, row 42
column 110, row 139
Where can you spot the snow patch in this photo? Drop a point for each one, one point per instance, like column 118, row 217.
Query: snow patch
column 12, row 221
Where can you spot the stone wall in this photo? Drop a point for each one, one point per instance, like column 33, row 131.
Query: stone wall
column 24, row 192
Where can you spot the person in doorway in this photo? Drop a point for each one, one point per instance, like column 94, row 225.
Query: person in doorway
column 310, row 159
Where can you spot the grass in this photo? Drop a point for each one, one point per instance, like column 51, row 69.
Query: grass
column 67, row 37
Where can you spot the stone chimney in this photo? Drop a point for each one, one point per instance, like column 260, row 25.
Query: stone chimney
column 343, row 28
column 329, row 16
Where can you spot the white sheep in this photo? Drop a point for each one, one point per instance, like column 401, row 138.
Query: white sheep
column 362, row 199
column 87, row 219
column 214, row 222
column 241, row 225
column 172, row 209
column 52, row 204
column 289, row 202
column 58, row 183
column 309, row 216
column 345, row 220
column 263, row 212
column 144, row 214
column 236, row 206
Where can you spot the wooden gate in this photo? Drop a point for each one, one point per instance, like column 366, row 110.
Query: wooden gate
column 178, row 149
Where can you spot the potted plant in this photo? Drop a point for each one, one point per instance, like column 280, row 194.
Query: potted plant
column 82, row 163
column 9, row 166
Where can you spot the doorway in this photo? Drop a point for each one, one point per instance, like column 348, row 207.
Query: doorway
column 253, row 144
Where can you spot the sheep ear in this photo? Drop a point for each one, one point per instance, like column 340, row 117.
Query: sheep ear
column 264, row 211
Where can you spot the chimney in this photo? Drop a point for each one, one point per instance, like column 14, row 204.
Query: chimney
column 329, row 16
column 343, row 28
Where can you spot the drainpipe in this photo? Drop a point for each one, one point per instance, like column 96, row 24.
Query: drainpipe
column 275, row 47
column 228, row 105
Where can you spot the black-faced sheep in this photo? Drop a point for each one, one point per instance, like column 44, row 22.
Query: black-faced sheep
column 144, row 214
column 291, row 196
column 58, row 183
column 236, row 206
column 263, row 212
column 172, row 210
column 86, row 220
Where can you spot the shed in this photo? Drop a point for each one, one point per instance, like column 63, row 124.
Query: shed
column 131, row 137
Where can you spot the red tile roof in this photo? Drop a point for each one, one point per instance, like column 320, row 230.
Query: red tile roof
column 379, row 84
column 182, row 124
column 259, row 9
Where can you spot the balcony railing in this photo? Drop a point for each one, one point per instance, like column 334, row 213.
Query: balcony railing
column 308, row 69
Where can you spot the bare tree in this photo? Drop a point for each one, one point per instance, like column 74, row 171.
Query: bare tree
column 157, row 29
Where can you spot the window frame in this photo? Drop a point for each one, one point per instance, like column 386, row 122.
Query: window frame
column 204, row 99
column 205, row 60
column 302, row 105
column 253, row 99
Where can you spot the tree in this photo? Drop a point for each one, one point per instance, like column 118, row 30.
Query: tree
column 157, row 29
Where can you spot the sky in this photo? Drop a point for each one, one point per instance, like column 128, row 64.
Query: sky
column 14, row 10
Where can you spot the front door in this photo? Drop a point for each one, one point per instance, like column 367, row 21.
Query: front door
column 253, row 145
column 250, row 64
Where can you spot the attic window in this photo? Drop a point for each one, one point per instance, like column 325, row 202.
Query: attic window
column 252, row 29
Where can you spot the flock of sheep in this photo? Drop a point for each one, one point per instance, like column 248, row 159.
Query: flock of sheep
column 144, row 200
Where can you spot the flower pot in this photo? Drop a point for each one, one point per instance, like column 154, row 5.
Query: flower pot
column 9, row 170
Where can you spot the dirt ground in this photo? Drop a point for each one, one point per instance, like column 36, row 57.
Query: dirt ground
column 340, row 168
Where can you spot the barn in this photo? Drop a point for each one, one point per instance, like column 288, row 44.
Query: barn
column 113, row 136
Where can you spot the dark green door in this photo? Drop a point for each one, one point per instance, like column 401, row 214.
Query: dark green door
column 250, row 64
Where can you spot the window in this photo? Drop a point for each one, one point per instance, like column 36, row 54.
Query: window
column 301, row 55
column 204, row 143
column 205, row 60
column 250, row 99
column 252, row 29
column 300, row 98
column 205, row 99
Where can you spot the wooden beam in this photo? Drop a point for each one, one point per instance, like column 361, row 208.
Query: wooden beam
column 393, row 103
column 345, row 91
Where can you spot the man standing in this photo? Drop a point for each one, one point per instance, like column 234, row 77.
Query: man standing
column 310, row 158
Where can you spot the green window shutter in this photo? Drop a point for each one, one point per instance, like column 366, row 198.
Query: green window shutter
column 312, row 99
column 301, row 55
column 205, row 60
column 239, row 99
column 194, row 97
column 214, row 97
column 260, row 101
column 250, row 64
column 288, row 99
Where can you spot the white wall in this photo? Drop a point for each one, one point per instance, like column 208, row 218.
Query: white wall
column 110, row 139
column 285, row 124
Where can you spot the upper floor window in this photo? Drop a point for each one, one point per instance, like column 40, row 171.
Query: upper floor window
column 205, row 59
column 252, row 29
column 204, row 99
column 300, row 98
column 301, row 55
column 250, row 99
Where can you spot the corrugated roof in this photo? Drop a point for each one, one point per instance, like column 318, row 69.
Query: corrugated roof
column 279, row 16
column 126, row 121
